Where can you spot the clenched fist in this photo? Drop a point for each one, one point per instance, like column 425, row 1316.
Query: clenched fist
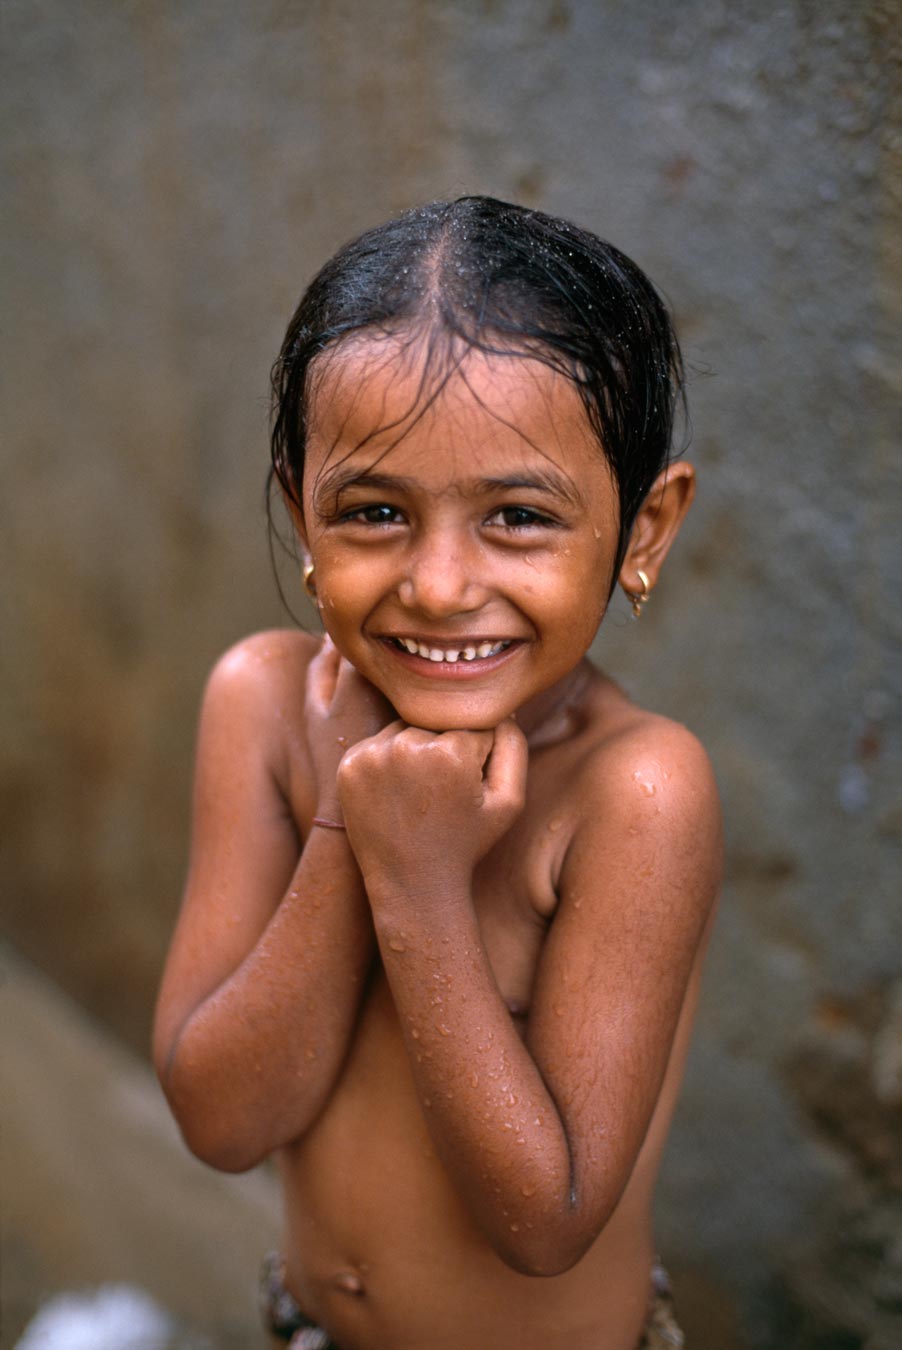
column 423, row 807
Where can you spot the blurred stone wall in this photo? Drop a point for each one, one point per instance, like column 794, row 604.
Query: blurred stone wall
column 177, row 171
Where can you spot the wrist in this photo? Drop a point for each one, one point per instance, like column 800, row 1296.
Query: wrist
column 412, row 903
column 328, row 807
column 327, row 823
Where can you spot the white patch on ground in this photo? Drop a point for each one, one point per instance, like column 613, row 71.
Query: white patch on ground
column 114, row 1317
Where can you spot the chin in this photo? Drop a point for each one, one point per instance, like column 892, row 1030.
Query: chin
column 451, row 716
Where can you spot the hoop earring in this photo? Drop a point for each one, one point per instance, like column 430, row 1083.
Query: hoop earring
column 638, row 601
column 310, row 582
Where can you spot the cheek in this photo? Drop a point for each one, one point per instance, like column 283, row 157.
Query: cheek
column 342, row 585
column 577, row 584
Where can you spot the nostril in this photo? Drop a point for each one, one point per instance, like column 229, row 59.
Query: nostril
column 442, row 586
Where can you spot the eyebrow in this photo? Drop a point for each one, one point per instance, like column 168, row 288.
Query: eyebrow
column 536, row 480
column 336, row 482
column 546, row 481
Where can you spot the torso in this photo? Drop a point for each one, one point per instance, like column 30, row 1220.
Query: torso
column 382, row 1251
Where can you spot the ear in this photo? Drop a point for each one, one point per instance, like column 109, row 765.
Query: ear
column 656, row 526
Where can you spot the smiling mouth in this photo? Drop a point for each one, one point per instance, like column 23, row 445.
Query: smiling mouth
column 450, row 655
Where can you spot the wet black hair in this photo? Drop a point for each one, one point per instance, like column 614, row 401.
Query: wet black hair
column 501, row 279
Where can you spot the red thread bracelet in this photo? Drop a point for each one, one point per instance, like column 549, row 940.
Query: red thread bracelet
column 329, row 824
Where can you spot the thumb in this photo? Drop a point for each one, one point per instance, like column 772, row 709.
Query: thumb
column 322, row 676
column 505, row 775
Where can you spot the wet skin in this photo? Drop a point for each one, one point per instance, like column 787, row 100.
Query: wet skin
column 461, row 1024
column 487, row 517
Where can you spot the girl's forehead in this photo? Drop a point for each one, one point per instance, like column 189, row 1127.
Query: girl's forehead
column 380, row 394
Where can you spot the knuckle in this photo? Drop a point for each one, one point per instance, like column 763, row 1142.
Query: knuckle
column 353, row 761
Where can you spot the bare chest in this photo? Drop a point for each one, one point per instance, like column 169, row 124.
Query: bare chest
column 516, row 887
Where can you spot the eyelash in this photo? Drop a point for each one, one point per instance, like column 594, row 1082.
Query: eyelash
column 535, row 519
column 359, row 513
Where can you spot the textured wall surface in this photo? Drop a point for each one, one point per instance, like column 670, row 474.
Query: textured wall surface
column 179, row 171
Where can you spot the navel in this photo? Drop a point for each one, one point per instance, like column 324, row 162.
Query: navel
column 349, row 1282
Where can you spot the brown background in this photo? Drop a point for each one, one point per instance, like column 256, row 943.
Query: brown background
column 177, row 172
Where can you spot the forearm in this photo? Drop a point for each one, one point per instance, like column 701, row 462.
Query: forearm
column 251, row 1067
column 498, row 1129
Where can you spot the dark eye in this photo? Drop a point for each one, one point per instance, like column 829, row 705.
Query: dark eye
column 380, row 513
column 520, row 517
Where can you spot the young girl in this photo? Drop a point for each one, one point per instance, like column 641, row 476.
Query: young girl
column 449, row 887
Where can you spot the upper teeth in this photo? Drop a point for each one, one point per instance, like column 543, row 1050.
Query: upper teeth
column 469, row 653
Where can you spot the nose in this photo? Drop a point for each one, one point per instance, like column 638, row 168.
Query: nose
column 442, row 576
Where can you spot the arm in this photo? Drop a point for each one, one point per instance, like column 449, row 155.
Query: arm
column 264, row 976
column 540, row 1138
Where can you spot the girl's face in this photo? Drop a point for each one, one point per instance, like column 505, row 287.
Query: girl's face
column 463, row 537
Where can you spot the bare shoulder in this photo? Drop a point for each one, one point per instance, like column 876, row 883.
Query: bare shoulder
column 630, row 752
column 265, row 673
column 263, row 661
column 645, row 782
column 255, row 694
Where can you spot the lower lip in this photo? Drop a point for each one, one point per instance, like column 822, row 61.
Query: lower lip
column 451, row 670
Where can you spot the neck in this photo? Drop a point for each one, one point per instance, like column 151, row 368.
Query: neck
column 549, row 717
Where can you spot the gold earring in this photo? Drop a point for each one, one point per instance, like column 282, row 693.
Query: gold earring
column 638, row 601
column 309, row 582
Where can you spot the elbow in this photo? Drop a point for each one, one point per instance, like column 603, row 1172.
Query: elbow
column 546, row 1253
column 550, row 1244
column 215, row 1137
column 226, row 1151
column 543, row 1260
